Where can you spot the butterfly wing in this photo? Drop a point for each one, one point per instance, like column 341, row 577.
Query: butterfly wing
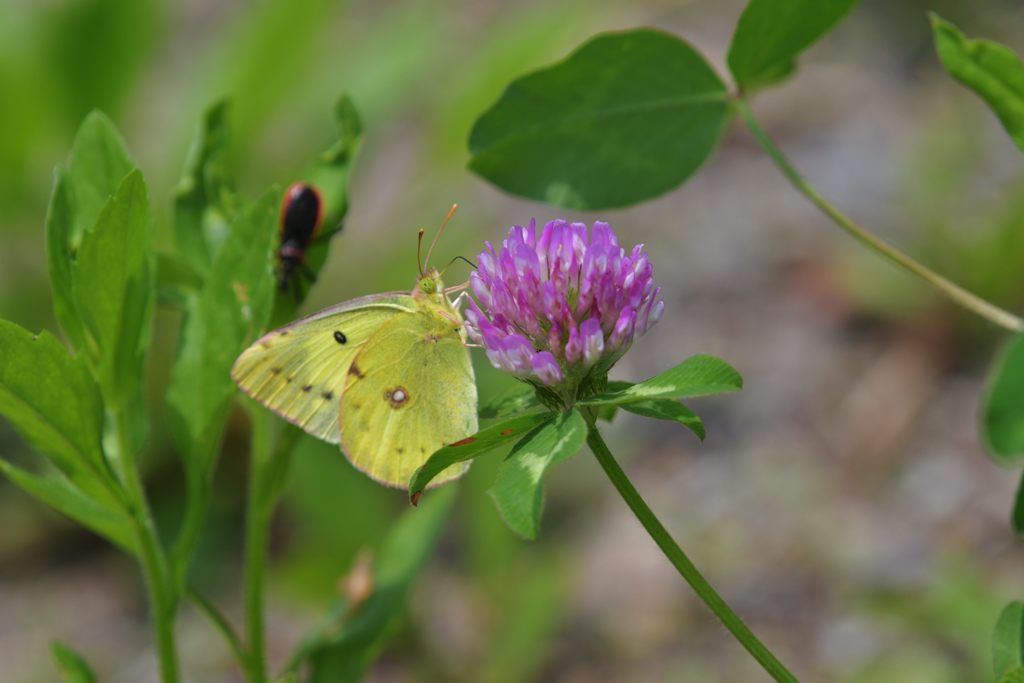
column 409, row 392
column 299, row 371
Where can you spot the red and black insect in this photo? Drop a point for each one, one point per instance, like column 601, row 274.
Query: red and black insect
column 301, row 214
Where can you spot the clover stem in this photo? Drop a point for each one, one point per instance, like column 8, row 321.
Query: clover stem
column 219, row 622
column 159, row 588
column 257, row 519
column 951, row 290
column 678, row 558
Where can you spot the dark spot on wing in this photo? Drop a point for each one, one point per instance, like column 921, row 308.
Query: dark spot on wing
column 328, row 395
column 284, row 333
column 275, row 371
column 339, row 337
column 307, row 387
column 354, row 370
column 400, row 450
column 397, row 397
column 288, row 380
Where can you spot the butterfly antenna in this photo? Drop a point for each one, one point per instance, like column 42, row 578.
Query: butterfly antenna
column 419, row 248
column 458, row 258
column 451, row 212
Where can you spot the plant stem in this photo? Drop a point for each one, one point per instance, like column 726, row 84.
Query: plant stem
column 953, row 291
column 220, row 622
column 257, row 520
column 680, row 561
column 162, row 597
column 197, row 494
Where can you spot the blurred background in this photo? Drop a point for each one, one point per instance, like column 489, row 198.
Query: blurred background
column 842, row 503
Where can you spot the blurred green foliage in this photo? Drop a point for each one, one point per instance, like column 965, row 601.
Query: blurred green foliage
column 155, row 66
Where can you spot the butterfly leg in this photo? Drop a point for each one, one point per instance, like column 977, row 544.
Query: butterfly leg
column 297, row 289
column 307, row 273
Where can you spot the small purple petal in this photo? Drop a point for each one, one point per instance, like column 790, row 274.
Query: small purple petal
column 622, row 335
column 656, row 313
column 592, row 338
column 546, row 368
column 574, row 347
column 517, row 352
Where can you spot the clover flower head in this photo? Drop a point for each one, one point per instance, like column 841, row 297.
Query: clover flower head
column 554, row 307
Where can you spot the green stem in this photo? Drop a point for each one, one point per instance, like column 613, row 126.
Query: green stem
column 257, row 520
column 160, row 590
column 953, row 291
column 220, row 622
column 197, row 494
column 680, row 561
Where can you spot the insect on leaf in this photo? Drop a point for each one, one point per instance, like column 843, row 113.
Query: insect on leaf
column 330, row 175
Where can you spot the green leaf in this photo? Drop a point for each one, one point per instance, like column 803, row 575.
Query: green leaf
column 58, row 493
column 990, row 69
column 176, row 280
column 1008, row 639
column 1017, row 514
column 205, row 202
column 624, row 118
column 51, row 400
column 772, row 33
column 112, row 286
column 659, row 409
column 518, row 490
column 73, row 667
column 330, row 175
column 344, row 646
column 231, row 310
column 99, row 163
column 471, row 447
column 518, row 398
column 333, row 168
column 668, row 409
column 1002, row 419
column 700, row 375
column 1015, row 675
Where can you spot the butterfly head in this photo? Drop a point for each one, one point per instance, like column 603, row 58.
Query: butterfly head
column 429, row 284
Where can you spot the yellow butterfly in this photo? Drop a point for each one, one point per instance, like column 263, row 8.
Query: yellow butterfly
column 386, row 376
